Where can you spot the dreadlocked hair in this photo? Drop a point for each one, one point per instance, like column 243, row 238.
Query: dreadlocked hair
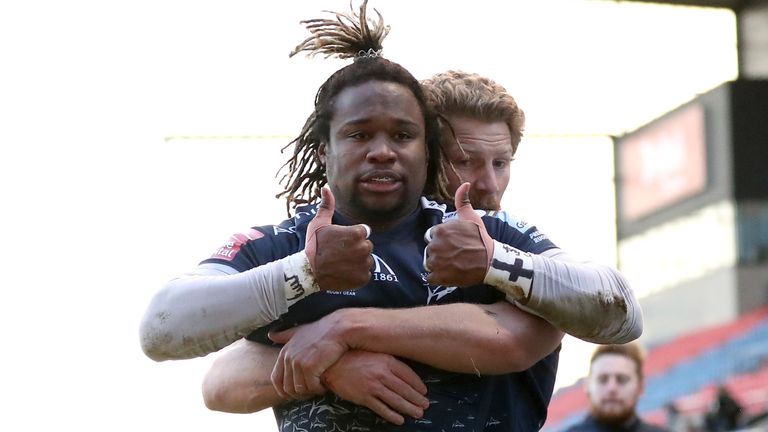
column 351, row 35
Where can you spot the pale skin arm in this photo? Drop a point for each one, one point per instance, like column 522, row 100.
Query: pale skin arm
column 461, row 337
column 239, row 382
column 592, row 302
column 468, row 338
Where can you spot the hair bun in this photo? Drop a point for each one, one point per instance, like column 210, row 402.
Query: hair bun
column 349, row 35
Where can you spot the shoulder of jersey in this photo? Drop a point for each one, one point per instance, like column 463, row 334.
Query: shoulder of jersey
column 511, row 220
column 304, row 214
column 301, row 216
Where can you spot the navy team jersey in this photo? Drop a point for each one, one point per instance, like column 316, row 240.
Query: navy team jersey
column 460, row 402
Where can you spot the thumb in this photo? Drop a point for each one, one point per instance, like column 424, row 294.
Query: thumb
column 464, row 209
column 281, row 337
column 322, row 218
column 465, row 212
column 325, row 209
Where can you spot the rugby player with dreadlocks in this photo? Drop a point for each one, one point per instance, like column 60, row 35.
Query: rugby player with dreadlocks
column 373, row 140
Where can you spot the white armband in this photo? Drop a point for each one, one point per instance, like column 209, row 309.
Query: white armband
column 511, row 271
column 298, row 277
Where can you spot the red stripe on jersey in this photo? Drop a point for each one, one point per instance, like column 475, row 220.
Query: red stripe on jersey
column 232, row 247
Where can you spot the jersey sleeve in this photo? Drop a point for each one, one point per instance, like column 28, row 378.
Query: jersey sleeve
column 516, row 232
column 590, row 301
column 242, row 286
column 257, row 246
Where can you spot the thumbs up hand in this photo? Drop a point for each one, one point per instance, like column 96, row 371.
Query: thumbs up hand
column 339, row 256
column 459, row 251
column 465, row 212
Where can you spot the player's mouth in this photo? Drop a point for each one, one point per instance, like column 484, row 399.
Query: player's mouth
column 381, row 181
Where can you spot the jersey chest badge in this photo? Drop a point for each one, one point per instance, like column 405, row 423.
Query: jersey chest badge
column 381, row 271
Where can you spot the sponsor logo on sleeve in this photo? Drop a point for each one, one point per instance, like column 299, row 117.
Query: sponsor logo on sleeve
column 232, row 247
column 519, row 224
column 537, row 236
column 513, row 221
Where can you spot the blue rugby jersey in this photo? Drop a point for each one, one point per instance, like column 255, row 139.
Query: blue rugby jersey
column 465, row 402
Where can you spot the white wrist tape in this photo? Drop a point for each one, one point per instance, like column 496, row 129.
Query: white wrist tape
column 299, row 280
column 511, row 271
